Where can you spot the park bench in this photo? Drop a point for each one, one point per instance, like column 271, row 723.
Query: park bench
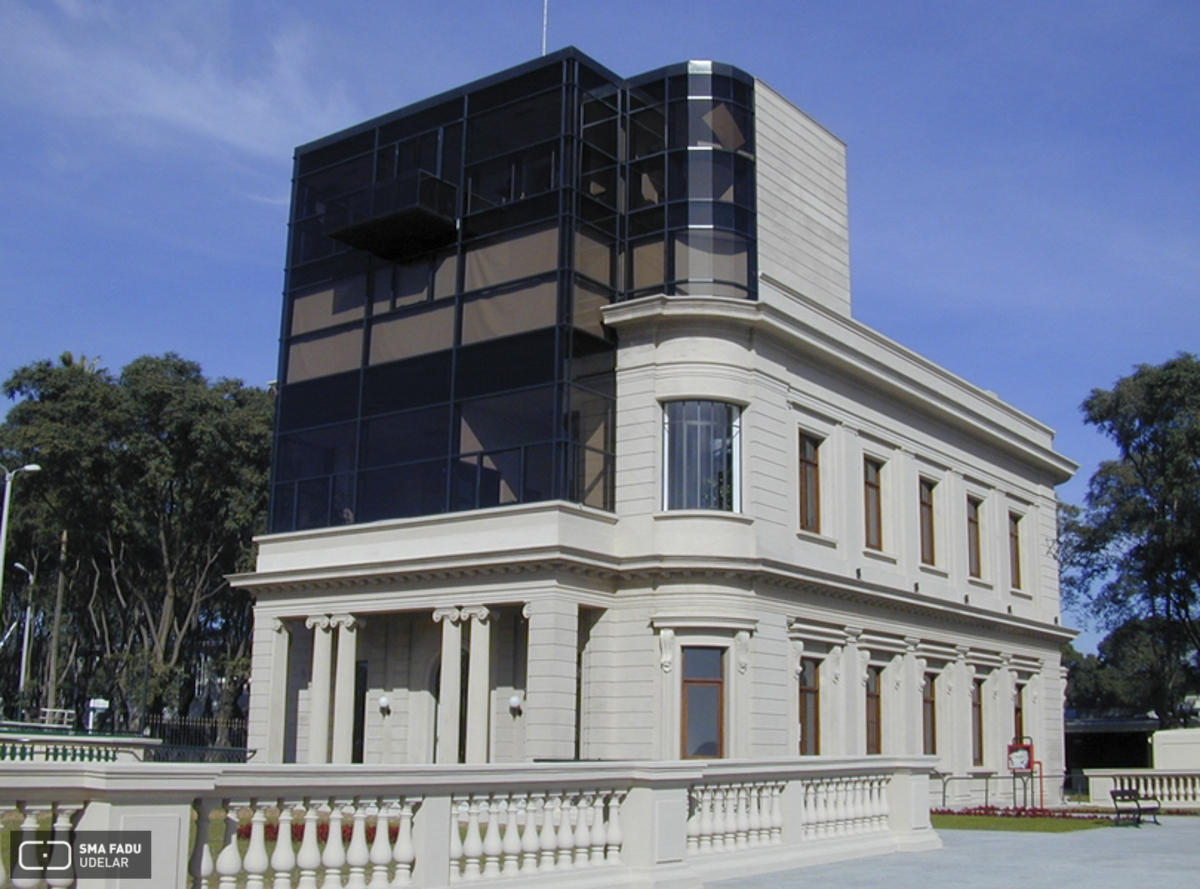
column 1131, row 807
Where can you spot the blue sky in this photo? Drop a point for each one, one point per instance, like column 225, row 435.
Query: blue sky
column 1024, row 192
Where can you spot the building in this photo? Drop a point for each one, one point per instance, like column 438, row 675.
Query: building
column 581, row 455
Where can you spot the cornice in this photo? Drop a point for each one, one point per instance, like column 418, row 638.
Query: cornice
column 751, row 575
column 864, row 353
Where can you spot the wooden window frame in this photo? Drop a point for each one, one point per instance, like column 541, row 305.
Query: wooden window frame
column 974, row 539
column 873, row 503
column 977, row 723
column 810, row 483
column 685, row 684
column 929, row 715
column 874, row 702
column 810, row 735
column 925, row 496
column 1014, row 550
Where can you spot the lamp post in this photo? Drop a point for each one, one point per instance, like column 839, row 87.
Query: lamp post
column 9, row 476
column 25, row 635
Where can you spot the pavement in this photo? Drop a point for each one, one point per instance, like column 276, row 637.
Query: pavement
column 1125, row 857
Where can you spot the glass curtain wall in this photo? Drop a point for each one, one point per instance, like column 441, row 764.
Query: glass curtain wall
column 442, row 346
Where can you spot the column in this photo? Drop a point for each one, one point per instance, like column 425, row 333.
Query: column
column 479, row 675
column 281, row 640
column 854, row 673
column 343, row 691
column 318, row 689
column 911, row 724
column 450, row 687
column 550, row 683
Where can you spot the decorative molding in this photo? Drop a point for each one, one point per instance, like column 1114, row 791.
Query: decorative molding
column 348, row 622
column 451, row 614
column 694, row 622
column 318, row 622
column 478, row 613
column 741, row 645
column 834, row 660
column 666, row 648
column 797, row 657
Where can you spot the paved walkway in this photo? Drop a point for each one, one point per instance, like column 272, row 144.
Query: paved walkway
column 1124, row 857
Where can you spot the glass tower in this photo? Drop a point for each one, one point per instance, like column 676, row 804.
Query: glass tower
column 442, row 344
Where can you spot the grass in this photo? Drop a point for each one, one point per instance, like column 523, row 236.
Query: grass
column 999, row 822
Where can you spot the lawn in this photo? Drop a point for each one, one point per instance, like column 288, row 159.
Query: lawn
column 1008, row 822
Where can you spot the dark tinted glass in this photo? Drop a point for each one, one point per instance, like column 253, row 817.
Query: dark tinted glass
column 510, row 363
column 413, row 382
column 317, row 402
column 401, row 438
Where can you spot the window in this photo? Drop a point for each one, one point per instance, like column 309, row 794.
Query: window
column 810, row 484
column 872, row 492
column 928, row 554
column 810, row 707
column 929, row 714
column 701, row 465
column 703, row 703
column 1019, row 714
column 974, row 557
column 977, row 722
column 1014, row 550
column 874, row 710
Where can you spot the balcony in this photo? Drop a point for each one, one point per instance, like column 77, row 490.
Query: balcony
column 396, row 219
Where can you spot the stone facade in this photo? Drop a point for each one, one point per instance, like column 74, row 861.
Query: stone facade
column 891, row 590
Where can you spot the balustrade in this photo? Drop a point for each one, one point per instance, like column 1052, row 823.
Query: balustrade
column 734, row 816
column 501, row 834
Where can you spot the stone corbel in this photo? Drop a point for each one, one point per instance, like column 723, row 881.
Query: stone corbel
column 897, row 671
column 666, row 649
column 798, row 657
column 741, row 645
column 864, row 661
column 835, row 661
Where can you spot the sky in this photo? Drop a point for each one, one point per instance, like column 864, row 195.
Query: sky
column 1023, row 176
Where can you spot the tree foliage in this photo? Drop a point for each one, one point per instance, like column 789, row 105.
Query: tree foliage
column 159, row 479
column 1133, row 552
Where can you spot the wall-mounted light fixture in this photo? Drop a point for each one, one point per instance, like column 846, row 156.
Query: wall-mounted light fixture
column 385, row 705
column 514, row 705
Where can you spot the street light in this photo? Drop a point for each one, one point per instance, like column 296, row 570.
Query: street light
column 25, row 635
column 9, row 476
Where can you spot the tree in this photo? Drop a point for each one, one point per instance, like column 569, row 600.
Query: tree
column 1133, row 554
column 159, row 479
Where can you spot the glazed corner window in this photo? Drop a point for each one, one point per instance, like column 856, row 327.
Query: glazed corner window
column 874, row 710
column 977, row 722
column 703, row 717
column 974, row 557
column 1014, row 550
column 873, row 496
column 810, row 707
column 810, row 483
column 928, row 553
column 702, row 444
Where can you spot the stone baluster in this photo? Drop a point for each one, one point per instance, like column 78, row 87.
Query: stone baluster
column 472, row 843
column 404, row 853
column 854, row 809
column 29, row 825
column 842, row 806
column 334, row 856
column 885, row 810
column 754, row 833
column 718, row 829
column 456, row 841
column 257, row 861
column 229, row 860
column 612, row 850
column 61, row 829
column 599, row 828
column 308, row 859
column 693, row 822
column 583, row 831
column 566, row 837
column 380, row 855
column 546, row 839
column 741, row 801
column 706, row 818
column 776, row 822
column 200, row 864
column 511, row 847
column 358, row 854
column 493, row 848
column 283, row 856
column 529, row 836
